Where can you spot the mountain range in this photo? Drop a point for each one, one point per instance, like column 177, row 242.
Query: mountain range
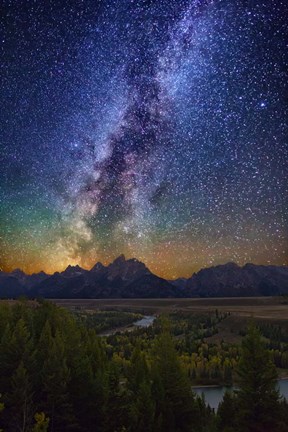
column 132, row 279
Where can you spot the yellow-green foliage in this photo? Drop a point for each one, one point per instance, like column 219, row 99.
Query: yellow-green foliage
column 42, row 422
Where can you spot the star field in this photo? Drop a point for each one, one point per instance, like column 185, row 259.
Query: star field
column 157, row 129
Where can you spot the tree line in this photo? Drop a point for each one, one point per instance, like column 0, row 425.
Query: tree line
column 57, row 375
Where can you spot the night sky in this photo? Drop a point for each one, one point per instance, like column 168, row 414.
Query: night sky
column 153, row 128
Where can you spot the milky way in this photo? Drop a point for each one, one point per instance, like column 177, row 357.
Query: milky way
column 157, row 129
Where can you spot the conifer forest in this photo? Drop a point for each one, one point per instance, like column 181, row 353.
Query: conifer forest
column 59, row 373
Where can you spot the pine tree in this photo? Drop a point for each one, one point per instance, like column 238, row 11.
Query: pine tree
column 55, row 380
column 20, row 400
column 142, row 406
column 81, row 389
column 2, row 406
column 6, row 367
column 117, row 417
column 16, row 365
column 16, row 346
column 99, row 384
column 176, row 409
column 227, row 413
column 258, row 399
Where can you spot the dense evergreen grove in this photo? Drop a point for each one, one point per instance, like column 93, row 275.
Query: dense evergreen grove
column 57, row 375
column 107, row 320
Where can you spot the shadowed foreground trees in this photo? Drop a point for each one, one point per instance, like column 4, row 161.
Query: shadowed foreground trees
column 56, row 375
column 256, row 406
column 52, row 364
column 176, row 407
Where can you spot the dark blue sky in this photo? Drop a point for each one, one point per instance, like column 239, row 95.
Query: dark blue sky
column 153, row 128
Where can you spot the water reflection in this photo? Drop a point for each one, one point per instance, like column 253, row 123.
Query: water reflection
column 214, row 395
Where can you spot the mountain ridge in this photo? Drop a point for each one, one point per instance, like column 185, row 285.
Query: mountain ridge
column 131, row 278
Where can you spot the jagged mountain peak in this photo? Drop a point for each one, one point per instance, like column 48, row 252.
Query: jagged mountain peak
column 18, row 273
column 230, row 265
column 73, row 270
column 97, row 267
column 41, row 273
column 131, row 278
column 76, row 267
column 127, row 270
column 119, row 260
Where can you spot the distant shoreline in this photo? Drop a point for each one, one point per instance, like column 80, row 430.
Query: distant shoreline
column 206, row 386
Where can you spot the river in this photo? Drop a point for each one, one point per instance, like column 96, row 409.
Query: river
column 146, row 321
column 214, row 395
